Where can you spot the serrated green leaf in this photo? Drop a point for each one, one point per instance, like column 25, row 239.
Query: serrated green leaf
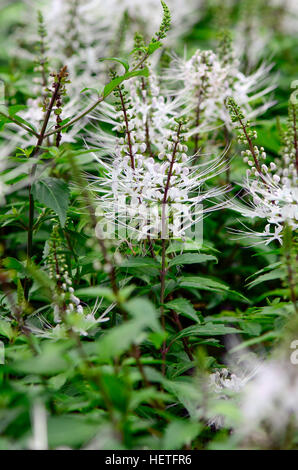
column 54, row 194
column 191, row 258
column 118, row 80
column 12, row 263
column 210, row 329
column 6, row 329
column 153, row 46
column 180, row 433
column 202, row 283
column 116, row 59
column 183, row 306
column 139, row 262
column 272, row 275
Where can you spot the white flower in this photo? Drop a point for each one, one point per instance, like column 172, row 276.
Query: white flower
column 225, row 385
column 271, row 191
column 206, row 82
column 274, row 202
column 146, row 15
column 269, row 401
column 144, row 177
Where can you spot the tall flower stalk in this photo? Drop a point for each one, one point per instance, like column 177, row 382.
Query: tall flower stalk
column 271, row 189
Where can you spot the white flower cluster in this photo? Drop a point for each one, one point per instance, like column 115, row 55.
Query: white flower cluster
column 207, row 80
column 222, row 379
column 58, row 272
column 202, row 77
column 78, row 35
column 67, row 307
column 269, row 402
column 272, row 188
column 184, row 15
column 78, row 39
column 224, row 385
column 82, row 32
column 150, row 164
column 266, row 398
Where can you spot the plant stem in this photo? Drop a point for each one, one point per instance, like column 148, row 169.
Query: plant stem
column 162, row 300
column 250, row 144
column 227, row 155
column 20, row 124
column 127, row 129
column 164, row 246
column 91, row 211
column 94, row 105
column 62, row 74
column 184, row 340
column 197, row 123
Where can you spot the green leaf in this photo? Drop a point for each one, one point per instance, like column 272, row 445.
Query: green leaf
column 83, row 91
column 275, row 274
column 202, row 283
column 12, row 263
column 143, row 310
column 112, row 85
column 117, row 341
column 6, row 329
column 116, row 391
column 51, row 360
column 139, row 262
column 105, row 292
column 120, row 61
column 54, row 194
column 96, row 291
column 137, row 73
column 180, row 433
column 270, row 336
column 153, row 46
column 23, row 121
column 191, row 258
column 211, row 329
column 157, row 338
column 251, row 328
column 71, row 430
column 183, row 306
column 12, row 110
column 118, row 80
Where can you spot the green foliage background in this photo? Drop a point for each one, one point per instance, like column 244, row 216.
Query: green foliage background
column 108, row 388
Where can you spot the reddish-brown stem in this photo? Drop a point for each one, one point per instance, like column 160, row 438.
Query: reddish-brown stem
column 91, row 211
column 163, row 248
column 197, row 122
column 227, row 154
column 127, row 129
column 137, row 354
column 151, row 247
column 167, row 187
column 95, row 104
column 187, row 349
column 147, row 130
column 250, row 144
column 41, row 136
